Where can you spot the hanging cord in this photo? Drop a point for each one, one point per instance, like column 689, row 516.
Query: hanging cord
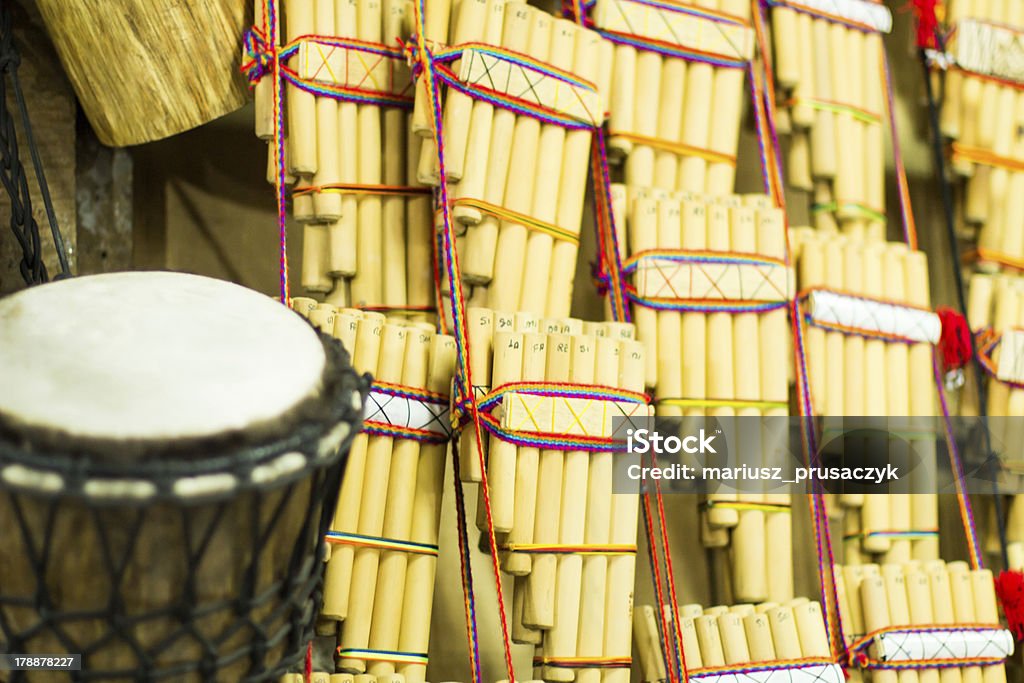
column 12, row 171
column 954, row 250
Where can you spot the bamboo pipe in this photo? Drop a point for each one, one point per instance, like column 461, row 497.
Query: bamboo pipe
column 942, row 612
column 338, row 575
column 801, row 113
column 669, row 330
column 621, row 568
column 1013, row 232
column 880, row 512
column 533, row 370
column 480, row 330
column 367, row 287
column 962, row 592
column 696, row 126
column 623, row 95
column 645, row 630
column 847, row 47
column 526, row 169
column 823, row 133
column 561, row 639
column 594, row 576
column 482, row 142
column 774, row 360
column 720, row 376
column 897, row 399
column 643, row 236
column 694, row 325
column 874, row 136
column 435, row 24
column 639, row 171
column 458, row 107
column 326, row 205
column 343, row 231
column 727, row 104
column 478, row 265
column 986, row 612
column 538, row 611
column 919, row 605
column 385, row 622
column 300, row 21
column 501, row 467
column 670, row 115
column 528, row 280
column 414, row 634
column 924, row 507
column 875, row 606
column 373, row 508
column 899, row 607
column 572, row 190
column 750, row 583
column 394, row 233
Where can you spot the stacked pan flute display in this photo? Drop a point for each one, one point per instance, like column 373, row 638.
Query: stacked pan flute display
column 738, row 636
column 351, row 166
column 379, row 581
column 568, row 541
column 517, row 183
column 708, row 362
column 831, row 80
column 858, row 292
column 981, row 116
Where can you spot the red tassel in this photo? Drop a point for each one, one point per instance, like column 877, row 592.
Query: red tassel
column 308, row 673
column 927, row 22
column 955, row 341
column 1010, row 589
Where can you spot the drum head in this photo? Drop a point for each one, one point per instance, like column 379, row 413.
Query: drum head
column 152, row 356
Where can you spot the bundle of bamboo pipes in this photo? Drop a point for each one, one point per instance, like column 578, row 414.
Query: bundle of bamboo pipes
column 982, row 113
column 556, row 501
column 517, row 184
column 831, row 77
column 996, row 304
column 675, row 121
column 719, row 364
column 853, row 375
column 380, row 574
column 733, row 636
column 352, row 167
column 920, row 594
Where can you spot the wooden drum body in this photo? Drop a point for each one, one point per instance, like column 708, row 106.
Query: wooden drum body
column 189, row 558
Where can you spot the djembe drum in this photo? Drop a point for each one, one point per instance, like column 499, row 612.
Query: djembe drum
column 170, row 450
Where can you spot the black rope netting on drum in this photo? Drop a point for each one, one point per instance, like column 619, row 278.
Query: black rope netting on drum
column 12, row 172
column 195, row 570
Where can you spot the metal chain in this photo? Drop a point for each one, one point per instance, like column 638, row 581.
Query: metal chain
column 12, row 171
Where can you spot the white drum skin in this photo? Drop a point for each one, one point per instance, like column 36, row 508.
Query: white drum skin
column 152, row 355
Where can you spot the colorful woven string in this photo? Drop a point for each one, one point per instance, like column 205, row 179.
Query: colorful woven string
column 380, row 543
column 393, row 656
column 988, row 341
column 584, row 662
column 778, row 665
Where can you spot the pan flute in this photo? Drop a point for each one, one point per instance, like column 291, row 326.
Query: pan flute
column 677, row 90
column 982, row 113
column 350, row 162
column 710, row 279
column 868, row 333
column 945, row 611
column 996, row 310
column 516, row 181
column 789, row 639
column 552, row 509
column 831, row 75
column 380, row 573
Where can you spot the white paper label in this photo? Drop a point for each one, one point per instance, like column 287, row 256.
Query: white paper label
column 874, row 316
